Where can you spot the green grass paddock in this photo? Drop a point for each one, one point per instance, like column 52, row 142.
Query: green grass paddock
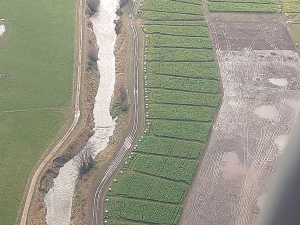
column 36, row 57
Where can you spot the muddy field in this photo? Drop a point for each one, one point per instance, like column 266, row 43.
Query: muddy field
column 260, row 70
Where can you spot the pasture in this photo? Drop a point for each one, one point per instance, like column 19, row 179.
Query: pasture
column 36, row 61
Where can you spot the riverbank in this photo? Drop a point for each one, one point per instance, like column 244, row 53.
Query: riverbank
column 84, row 185
column 81, row 134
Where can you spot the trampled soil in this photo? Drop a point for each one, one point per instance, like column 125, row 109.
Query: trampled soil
column 259, row 69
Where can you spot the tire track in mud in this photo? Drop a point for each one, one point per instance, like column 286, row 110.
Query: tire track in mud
column 242, row 153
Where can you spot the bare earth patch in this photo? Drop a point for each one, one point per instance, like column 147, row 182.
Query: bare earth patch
column 259, row 69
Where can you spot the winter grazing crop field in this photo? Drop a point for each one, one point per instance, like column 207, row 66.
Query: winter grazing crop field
column 36, row 77
column 182, row 94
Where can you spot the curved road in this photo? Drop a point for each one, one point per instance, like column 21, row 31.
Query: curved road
column 129, row 139
column 67, row 134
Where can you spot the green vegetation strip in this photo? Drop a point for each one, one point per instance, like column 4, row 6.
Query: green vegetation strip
column 182, row 94
column 180, row 55
column 182, row 130
column 291, row 7
column 181, row 112
column 160, row 15
column 206, row 70
column 181, row 42
column 190, row 31
column 183, row 84
column 172, row 6
column 135, row 185
column 161, row 96
column 248, row 1
column 230, row 6
column 177, row 23
column 171, row 168
column 196, row 2
column 170, row 147
column 142, row 211
column 37, row 58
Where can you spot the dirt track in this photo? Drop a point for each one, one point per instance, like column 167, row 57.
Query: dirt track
column 259, row 69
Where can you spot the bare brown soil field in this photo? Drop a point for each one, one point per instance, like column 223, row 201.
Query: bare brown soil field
column 259, row 69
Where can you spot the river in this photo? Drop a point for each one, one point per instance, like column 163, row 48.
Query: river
column 59, row 198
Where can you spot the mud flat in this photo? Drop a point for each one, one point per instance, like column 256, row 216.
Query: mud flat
column 260, row 70
column 59, row 198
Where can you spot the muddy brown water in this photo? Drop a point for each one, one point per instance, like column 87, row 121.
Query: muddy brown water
column 260, row 71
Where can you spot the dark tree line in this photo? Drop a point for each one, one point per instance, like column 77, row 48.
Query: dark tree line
column 93, row 6
column 84, row 160
column 123, row 99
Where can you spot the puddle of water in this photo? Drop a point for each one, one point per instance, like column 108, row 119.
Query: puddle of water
column 261, row 200
column 59, row 198
column 2, row 29
column 282, row 82
column 231, row 167
column 267, row 112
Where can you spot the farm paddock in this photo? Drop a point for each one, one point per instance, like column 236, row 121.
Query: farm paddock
column 259, row 69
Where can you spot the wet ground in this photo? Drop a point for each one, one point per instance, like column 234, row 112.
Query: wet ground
column 260, row 70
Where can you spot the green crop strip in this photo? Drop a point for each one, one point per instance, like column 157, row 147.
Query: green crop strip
column 161, row 15
column 162, row 96
column 182, row 94
column 206, row 70
column 268, row 6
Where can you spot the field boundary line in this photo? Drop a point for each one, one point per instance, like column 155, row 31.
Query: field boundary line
column 32, row 110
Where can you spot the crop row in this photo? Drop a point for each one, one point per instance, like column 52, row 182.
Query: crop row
column 177, row 23
column 141, row 211
column 248, row 1
column 204, row 70
column 162, row 96
column 113, row 222
column 158, row 15
column 171, row 7
column 183, row 84
column 171, row 168
column 141, row 186
column 159, row 40
column 180, row 55
column 194, row 131
column 170, row 147
column 196, row 2
column 181, row 112
column 242, row 7
column 193, row 31
column 291, row 7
